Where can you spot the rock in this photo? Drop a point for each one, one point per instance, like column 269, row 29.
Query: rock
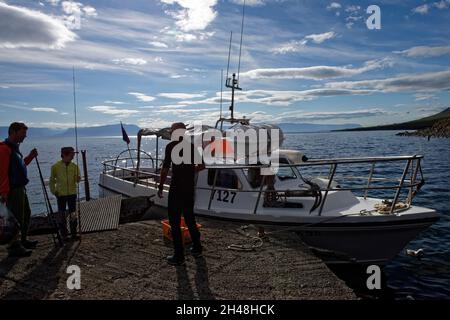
column 440, row 129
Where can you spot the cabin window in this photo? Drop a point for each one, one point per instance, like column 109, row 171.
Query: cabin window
column 226, row 178
column 285, row 173
column 253, row 176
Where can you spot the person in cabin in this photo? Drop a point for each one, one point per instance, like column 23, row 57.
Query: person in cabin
column 13, row 181
column 65, row 175
column 181, row 198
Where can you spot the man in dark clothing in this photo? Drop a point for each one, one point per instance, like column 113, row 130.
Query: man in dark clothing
column 181, row 198
column 13, row 179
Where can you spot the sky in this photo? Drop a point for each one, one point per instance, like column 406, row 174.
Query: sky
column 153, row 62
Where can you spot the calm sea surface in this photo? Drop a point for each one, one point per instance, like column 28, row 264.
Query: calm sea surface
column 406, row 277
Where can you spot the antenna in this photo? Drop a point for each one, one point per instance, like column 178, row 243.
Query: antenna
column 229, row 53
column 221, row 92
column 233, row 82
column 242, row 34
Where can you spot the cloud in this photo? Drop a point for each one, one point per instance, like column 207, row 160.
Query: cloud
column 425, row 82
column 423, row 9
column 316, row 72
column 443, row 4
column 158, row 44
column 72, row 7
column 194, row 15
column 321, row 37
column 352, row 8
column 181, row 111
column 168, row 106
column 178, row 76
column 109, row 110
column 209, row 116
column 154, row 122
column 181, row 96
column 318, row 116
column 130, row 61
column 53, row 2
column 334, row 6
column 44, row 109
column 142, row 97
column 298, row 45
column 90, row 11
column 425, row 51
column 250, row 3
column 26, row 28
column 278, row 98
column 424, row 96
column 114, row 102
column 74, row 12
column 292, row 46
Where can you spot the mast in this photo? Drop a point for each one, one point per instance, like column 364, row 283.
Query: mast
column 233, row 82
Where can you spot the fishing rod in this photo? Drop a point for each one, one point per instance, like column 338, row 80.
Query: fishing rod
column 76, row 148
column 50, row 212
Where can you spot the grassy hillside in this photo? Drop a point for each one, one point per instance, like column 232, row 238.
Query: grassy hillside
column 418, row 124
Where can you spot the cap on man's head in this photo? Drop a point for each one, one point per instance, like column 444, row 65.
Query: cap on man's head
column 16, row 126
column 178, row 125
column 66, row 150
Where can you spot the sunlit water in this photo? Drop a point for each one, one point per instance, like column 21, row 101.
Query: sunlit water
column 406, row 276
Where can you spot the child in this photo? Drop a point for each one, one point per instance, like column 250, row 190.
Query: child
column 63, row 184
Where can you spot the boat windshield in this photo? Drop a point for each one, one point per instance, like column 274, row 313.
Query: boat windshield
column 285, row 173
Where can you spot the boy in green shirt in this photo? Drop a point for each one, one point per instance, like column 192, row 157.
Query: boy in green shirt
column 63, row 184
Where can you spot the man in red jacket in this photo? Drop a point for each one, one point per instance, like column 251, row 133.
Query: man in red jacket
column 13, row 179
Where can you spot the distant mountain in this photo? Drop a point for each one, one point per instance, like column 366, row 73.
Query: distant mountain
column 418, row 124
column 132, row 130
column 34, row 132
column 109, row 130
column 311, row 127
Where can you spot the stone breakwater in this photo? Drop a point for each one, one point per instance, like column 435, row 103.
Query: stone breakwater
column 440, row 129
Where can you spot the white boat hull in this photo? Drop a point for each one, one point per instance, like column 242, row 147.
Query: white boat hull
column 335, row 238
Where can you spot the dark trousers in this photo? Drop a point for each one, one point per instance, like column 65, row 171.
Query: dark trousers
column 18, row 204
column 182, row 204
column 67, row 205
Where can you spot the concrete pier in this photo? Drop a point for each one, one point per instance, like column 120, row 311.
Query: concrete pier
column 129, row 263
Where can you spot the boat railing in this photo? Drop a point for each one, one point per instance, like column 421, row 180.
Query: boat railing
column 413, row 183
column 412, row 166
column 112, row 165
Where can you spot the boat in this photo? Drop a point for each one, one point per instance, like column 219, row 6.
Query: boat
column 331, row 212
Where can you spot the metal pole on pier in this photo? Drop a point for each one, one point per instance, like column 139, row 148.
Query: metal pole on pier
column 87, row 190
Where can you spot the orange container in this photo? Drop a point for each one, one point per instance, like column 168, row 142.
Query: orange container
column 167, row 231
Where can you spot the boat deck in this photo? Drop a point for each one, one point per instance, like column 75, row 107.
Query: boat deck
column 130, row 264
